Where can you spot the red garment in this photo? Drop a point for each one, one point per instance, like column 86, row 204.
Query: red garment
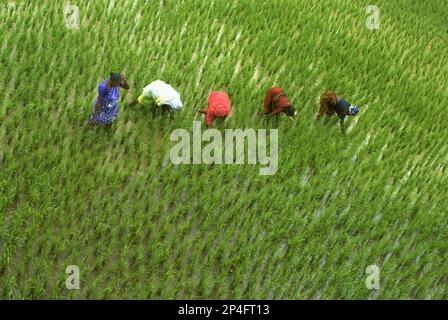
column 276, row 101
column 218, row 107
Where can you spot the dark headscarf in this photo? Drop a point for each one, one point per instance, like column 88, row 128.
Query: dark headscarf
column 290, row 111
column 115, row 76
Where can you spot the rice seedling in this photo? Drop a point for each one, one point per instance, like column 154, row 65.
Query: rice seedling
column 137, row 226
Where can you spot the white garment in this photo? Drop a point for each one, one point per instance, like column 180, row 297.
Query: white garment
column 163, row 93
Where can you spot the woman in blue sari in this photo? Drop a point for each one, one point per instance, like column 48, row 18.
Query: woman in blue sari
column 105, row 106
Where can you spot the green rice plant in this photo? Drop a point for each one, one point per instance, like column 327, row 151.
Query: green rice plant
column 110, row 201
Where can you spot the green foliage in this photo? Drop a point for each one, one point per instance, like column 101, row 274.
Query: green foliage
column 139, row 227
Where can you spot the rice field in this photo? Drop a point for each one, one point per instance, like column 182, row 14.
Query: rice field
column 139, row 227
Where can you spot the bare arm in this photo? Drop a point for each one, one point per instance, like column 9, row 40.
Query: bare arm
column 99, row 103
column 342, row 118
column 124, row 84
column 277, row 111
column 322, row 110
column 154, row 110
column 134, row 103
column 341, row 122
column 343, row 127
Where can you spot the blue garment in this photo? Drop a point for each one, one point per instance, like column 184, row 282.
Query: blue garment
column 109, row 109
column 341, row 107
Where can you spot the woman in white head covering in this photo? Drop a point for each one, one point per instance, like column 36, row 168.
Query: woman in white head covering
column 160, row 94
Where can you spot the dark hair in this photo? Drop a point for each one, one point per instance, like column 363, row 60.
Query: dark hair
column 115, row 76
column 290, row 111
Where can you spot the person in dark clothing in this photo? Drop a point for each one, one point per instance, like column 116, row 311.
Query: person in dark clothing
column 330, row 103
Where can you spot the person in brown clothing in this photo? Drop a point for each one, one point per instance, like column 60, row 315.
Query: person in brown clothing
column 330, row 104
column 276, row 101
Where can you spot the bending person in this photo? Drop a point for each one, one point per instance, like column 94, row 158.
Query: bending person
column 218, row 107
column 330, row 104
column 159, row 94
column 276, row 101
